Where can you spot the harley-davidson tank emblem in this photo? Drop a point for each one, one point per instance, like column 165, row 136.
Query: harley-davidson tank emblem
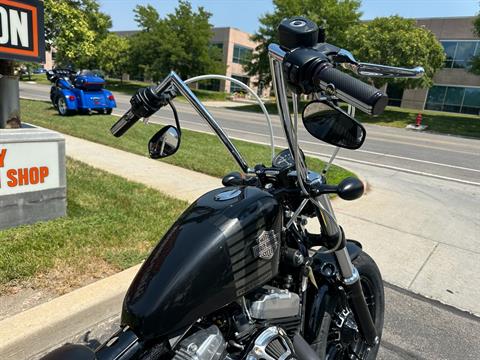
column 267, row 244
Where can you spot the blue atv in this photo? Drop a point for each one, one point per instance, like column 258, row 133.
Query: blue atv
column 81, row 92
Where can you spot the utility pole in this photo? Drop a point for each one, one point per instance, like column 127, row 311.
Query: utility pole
column 9, row 96
column 32, row 167
column 22, row 38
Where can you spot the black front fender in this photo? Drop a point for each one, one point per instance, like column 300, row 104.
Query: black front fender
column 354, row 249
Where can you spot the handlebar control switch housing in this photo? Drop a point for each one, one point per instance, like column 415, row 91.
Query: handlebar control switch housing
column 146, row 102
column 298, row 67
column 297, row 32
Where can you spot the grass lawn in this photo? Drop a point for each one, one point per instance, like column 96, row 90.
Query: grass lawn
column 112, row 224
column 198, row 151
column 437, row 121
column 38, row 78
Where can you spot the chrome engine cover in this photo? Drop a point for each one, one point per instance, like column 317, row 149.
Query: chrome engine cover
column 207, row 344
column 275, row 303
column 272, row 344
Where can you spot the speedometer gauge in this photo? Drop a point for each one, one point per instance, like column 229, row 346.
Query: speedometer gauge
column 284, row 159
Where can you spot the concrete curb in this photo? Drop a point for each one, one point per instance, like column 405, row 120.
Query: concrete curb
column 38, row 329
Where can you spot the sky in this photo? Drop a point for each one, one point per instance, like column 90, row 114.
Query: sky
column 244, row 14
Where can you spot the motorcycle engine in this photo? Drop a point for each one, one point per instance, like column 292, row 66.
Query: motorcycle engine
column 206, row 344
column 261, row 330
column 272, row 344
column 273, row 306
column 209, row 344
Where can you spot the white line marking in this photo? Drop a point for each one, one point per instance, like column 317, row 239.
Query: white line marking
column 422, row 173
column 358, row 151
column 350, row 159
column 399, row 169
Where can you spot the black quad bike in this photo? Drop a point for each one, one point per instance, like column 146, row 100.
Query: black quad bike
column 239, row 276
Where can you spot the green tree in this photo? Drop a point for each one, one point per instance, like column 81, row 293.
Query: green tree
column 397, row 41
column 146, row 17
column 98, row 21
column 146, row 57
column 74, row 28
column 336, row 16
column 179, row 42
column 67, row 31
column 113, row 55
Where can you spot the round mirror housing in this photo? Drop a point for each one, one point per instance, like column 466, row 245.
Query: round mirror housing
column 164, row 143
column 329, row 123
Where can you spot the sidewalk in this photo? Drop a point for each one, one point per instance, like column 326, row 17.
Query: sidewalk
column 406, row 259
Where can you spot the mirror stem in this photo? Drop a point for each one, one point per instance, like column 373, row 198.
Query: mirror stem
column 327, row 165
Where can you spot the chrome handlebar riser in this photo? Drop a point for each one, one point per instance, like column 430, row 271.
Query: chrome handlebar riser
column 276, row 55
column 179, row 84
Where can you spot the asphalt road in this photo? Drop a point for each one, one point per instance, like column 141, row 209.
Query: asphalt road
column 415, row 328
column 438, row 156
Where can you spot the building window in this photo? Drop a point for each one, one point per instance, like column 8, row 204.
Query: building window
column 241, row 54
column 395, row 94
column 457, row 99
column 236, row 88
column 460, row 53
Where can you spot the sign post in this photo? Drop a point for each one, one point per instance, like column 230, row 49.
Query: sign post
column 32, row 159
column 22, row 38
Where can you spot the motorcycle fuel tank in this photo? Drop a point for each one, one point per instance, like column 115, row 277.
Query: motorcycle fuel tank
column 224, row 245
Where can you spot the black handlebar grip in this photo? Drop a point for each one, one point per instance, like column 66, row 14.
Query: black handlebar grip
column 125, row 123
column 355, row 92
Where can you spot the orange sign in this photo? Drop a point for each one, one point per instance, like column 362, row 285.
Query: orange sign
column 22, row 32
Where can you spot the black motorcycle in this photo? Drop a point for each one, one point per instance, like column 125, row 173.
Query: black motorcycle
column 239, row 276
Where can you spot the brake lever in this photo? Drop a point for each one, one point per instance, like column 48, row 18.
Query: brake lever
column 345, row 59
column 384, row 71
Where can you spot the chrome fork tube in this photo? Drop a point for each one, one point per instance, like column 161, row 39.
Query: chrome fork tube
column 328, row 222
column 331, row 228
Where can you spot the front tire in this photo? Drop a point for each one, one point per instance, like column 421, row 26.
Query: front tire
column 327, row 345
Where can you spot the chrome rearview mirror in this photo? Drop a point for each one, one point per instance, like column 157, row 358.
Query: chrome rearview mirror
column 329, row 123
column 164, row 143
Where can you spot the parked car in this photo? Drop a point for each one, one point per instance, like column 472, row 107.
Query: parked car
column 83, row 91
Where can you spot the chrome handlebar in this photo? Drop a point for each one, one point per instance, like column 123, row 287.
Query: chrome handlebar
column 181, row 86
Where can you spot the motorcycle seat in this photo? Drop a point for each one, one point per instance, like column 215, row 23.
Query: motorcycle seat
column 71, row 352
